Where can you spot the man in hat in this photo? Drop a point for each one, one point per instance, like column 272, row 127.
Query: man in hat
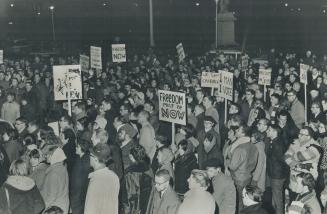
column 103, row 190
column 209, row 142
column 223, row 186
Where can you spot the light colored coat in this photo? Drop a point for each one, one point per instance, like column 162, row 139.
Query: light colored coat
column 297, row 113
column 55, row 187
column 147, row 140
column 224, row 193
column 197, row 201
column 10, row 111
column 102, row 192
column 168, row 203
column 259, row 174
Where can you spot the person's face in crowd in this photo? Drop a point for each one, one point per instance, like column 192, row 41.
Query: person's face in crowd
column 181, row 151
column 324, row 105
column 262, row 126
column 192, row 184
column 148, row 108
column 288, row 86
column 10, row 98
column 160, row 183
column 37, row 78
column 2, row 76
column 315, row 71
column 206, row 102
column 19, row 125
column 248, row 96
column 123, row 111
column 121, row 135
column 8, row 77
column 321, row 128
column 24, row 102
column 63, row 123
column 296, row 86
column 231, row 134
column 14, row 82
column 79, row 126
column 166, row 87
column 273, row 100
column 212, row 171
column 291, row 97
column 106, row 106
column 319, row 80
column 208, row 125
column 304, row 136
column 148, row 94
column 34, row 161
column 282, row 120
column 292, row 78
column 199, row 95
column 153, row 83
column 271, row 133
column 37, row 59
column 324, row 80
column 315, row 109
column 258, row 94
column 239, row 132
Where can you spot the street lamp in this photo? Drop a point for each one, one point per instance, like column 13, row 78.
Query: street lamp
column 52, row 22
column 216, row 22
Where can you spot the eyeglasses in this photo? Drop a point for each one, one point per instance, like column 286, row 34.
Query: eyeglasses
column 159, row 184
column 302, row 134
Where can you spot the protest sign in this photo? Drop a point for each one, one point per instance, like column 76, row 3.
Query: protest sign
column 84, row 62
column 118, row 52
column 304, row 73
column 210, row 80
column 67, row 82
column 96, row 60
column 226, row 85
column 1, row 56
column 245, row 62
column 264, row 76
column 172, row 107
column 180, row 52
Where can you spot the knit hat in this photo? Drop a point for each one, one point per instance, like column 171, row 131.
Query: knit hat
column 213, row 162
column 130, row 130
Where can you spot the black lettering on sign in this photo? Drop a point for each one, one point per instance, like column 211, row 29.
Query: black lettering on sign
column 171, row 113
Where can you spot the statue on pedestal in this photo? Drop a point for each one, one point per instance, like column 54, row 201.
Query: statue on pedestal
column 223, row 6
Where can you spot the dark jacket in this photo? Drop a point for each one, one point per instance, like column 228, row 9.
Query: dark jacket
column 70, row 152
column 138, row 180
column 4, row 165
column 24, row 196
column 214, row 152
column 183, row 168
column 276, row 165
column 254, row 209
column 79, row 183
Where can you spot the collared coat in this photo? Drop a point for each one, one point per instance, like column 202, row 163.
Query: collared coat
column 168, row 203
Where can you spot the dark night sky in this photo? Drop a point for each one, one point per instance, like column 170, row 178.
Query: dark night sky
column 269, row 21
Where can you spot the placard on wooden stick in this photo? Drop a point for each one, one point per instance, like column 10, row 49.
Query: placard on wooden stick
column 96, row 60
column 118, row 52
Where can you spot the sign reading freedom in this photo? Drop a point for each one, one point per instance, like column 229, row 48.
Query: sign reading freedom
column 172, row 107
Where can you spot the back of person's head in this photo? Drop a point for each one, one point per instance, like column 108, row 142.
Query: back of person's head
column 45, row 131
column 139, row 154
column 19, row 168
column 85, row 145
column 69, row 134
column 201, row 177
column 53, row 210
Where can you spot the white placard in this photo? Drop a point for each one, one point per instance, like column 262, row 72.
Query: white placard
column 304, row 73
column 67, row 78
column 210, row 79
column 172, row 107
column 118, row 52
column 1, row 56
column 264, row 76
column 226, row 85
column 245, row 62
column 55, row 127
column 84, row 62
column 96, row 60
column 180, row 52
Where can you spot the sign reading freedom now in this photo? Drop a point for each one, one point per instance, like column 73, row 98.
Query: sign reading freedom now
column 172, row 107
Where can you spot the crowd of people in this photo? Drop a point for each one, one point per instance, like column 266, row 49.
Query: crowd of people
column 113, row 154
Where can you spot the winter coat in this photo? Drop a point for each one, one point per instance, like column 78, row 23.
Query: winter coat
column 168, row 203
column 197, row 201
column 13, row 149
column 276, row 165
column 70, row 152
column 224, row 193
column 147, row 140
column 254, row 209
column 24, row 196
column 259, row 174
column 102, row 192
column 10, row 111
column 78, row 183
column 183, row 168
column 297, row 113
column 243, row 159
column 55, row 186
column 38, row 174
column 138, row 178
column 214, row 152
column 310, row 200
